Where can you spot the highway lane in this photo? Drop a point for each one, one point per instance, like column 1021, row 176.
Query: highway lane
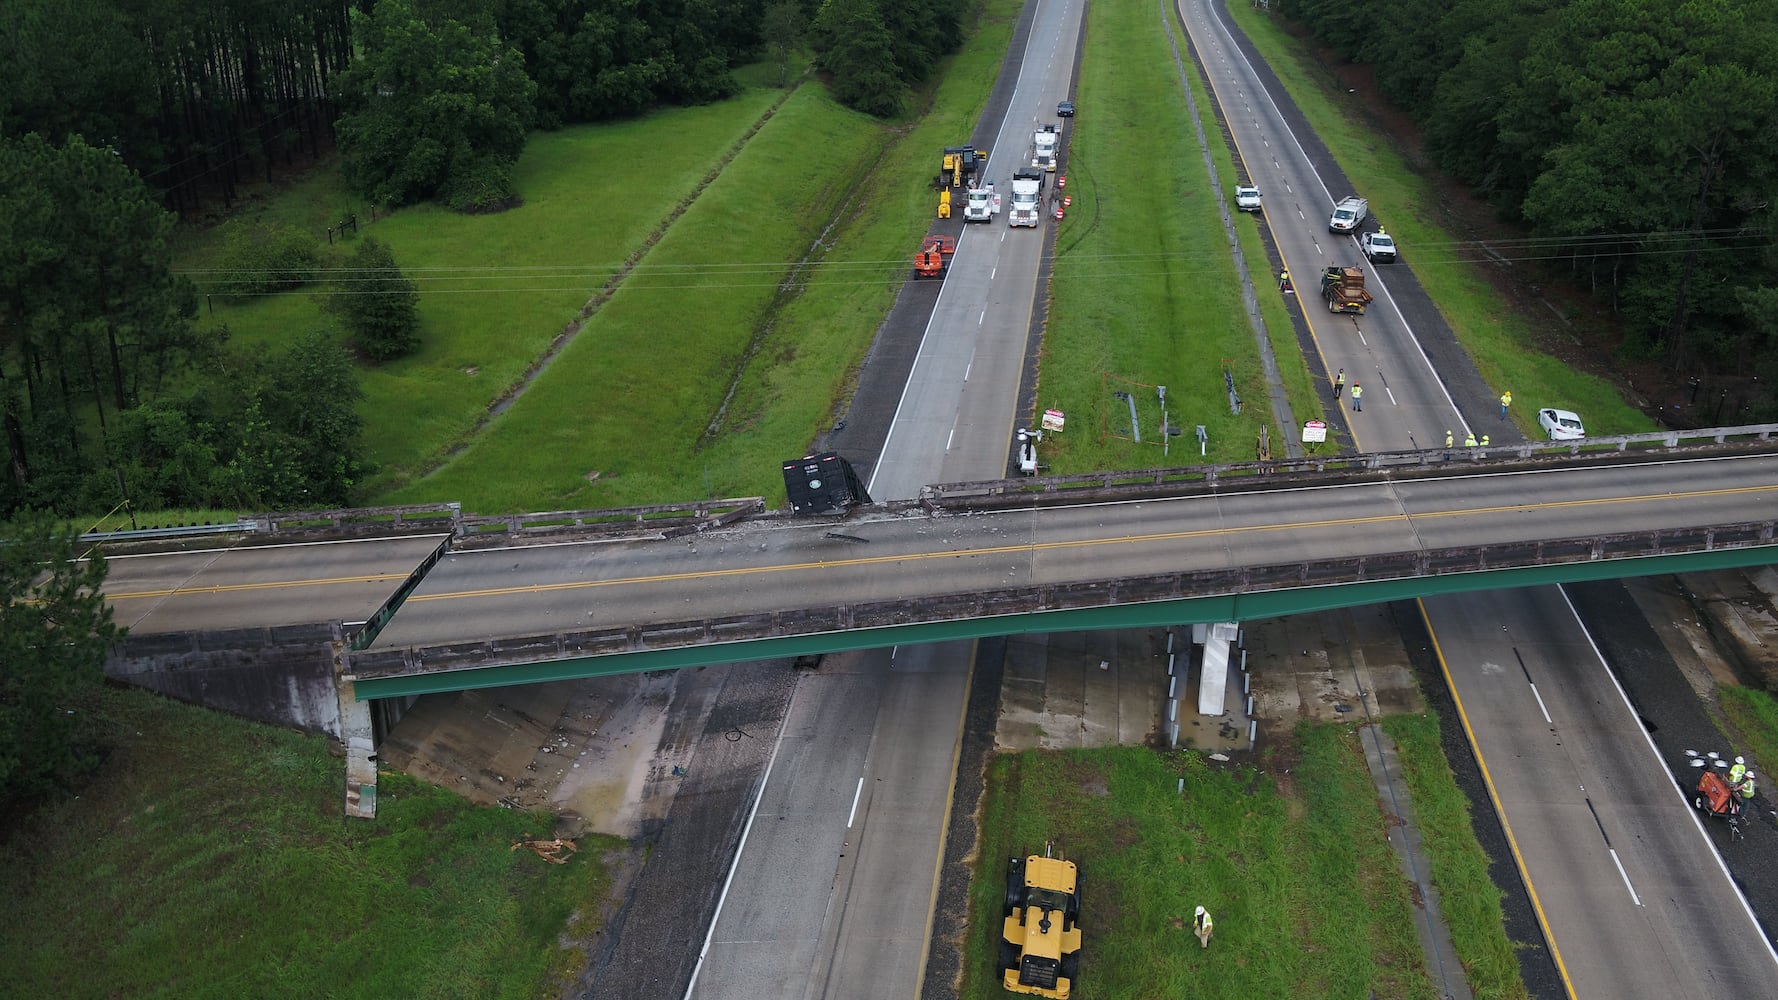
column 1638, row 902
column 957, row 415
column 742, row 570
column 260, row 585
column 1378, row 349
column 1607, row 944
column 893, row 717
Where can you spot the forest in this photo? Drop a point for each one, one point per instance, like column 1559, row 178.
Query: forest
column 1637, row 140
column 120, row 118
column 1637, row 143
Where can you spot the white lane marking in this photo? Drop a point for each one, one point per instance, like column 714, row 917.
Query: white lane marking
column 1697, row 824
column 979, row 320
column 1620, row 870
column 1540, row 705
column 854, row 813
column 951, row 436
column 759, row 795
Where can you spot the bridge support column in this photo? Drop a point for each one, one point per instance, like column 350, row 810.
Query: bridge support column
column 359, row 736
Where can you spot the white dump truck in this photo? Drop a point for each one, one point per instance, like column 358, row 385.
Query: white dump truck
column 1027, row 189
column 983, row 204
column 1349, row 214
column 1044, row 145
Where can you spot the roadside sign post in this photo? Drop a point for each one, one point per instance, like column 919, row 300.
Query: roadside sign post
column 1314, row 433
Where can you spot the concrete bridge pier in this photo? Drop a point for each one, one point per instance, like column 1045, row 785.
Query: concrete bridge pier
column 358, row 733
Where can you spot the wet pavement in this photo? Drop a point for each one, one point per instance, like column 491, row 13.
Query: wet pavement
column 666, row 761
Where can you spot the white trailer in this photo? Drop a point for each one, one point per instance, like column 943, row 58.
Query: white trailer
column 1044, row 147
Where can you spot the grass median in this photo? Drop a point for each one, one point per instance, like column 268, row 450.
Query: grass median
column 1292, row 860
column 210, row 859
column 1468, row 897
column 1145, row 293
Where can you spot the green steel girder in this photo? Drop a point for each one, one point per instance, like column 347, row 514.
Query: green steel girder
column 1215, row 607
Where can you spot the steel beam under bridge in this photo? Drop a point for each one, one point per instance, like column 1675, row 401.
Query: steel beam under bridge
column 1245, row 606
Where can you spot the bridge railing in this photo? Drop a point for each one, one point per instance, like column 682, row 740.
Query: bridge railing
column 1722, row 440
column 470, row 530
column 1371, row 568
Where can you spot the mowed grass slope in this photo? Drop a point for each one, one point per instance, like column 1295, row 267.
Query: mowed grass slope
column 1292, row 861
column 497, row 288
column 619, row 417
column 1145, row 292
column 210, row 860
column 735, row 342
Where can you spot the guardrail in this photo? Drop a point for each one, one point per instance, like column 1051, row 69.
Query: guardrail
column 701, row 515
column 666, row 518
column 1717, row 440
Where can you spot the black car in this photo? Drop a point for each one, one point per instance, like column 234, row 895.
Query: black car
column 1065, row 109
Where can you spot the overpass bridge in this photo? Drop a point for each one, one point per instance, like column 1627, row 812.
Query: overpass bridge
column 462, row 603
column 998, row 559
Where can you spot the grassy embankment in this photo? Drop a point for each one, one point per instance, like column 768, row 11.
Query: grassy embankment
column 703, row 314
column 1506, row 345
column 1467, row 895
column 210, row 860
column 1752, row 717
column 496, row 289
column 1145, row 292
column 719, row 306
column 1292, row 861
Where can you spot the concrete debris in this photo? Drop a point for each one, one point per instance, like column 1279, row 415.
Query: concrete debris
column 556, row 850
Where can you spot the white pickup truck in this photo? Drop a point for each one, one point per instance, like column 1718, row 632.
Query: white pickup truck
column 1378, row 246
column 1027, row 188
column 1349, row 214
column 1247, row 198
column 983, row 204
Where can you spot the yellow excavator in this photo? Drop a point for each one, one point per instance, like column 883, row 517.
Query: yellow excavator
column 961, row 165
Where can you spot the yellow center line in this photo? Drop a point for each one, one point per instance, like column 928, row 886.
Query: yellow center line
column 1035, row 547
column 1512, row 842
column 1024, row 548
column 332, row 581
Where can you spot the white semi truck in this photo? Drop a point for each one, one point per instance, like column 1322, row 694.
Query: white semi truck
column 1027, row 189
column 983, row 204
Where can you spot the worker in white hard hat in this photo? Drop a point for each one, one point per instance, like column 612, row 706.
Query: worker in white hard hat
column 1738, row 771
column 1747, row 787
column 1202, row 925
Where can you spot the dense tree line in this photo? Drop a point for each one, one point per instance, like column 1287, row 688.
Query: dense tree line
column 877, row 50
column 197, row 95
column 55, row 628
column 1640, row 137
column 201, row 95
column 104, row 387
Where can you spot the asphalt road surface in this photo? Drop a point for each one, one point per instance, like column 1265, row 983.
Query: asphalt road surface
column 1637, row 902
column 832, row 893
column 1583, row 789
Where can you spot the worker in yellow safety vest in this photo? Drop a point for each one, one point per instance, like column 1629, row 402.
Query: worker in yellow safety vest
column 1738, row 770
column 1202, row 925
column 1469, row 440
